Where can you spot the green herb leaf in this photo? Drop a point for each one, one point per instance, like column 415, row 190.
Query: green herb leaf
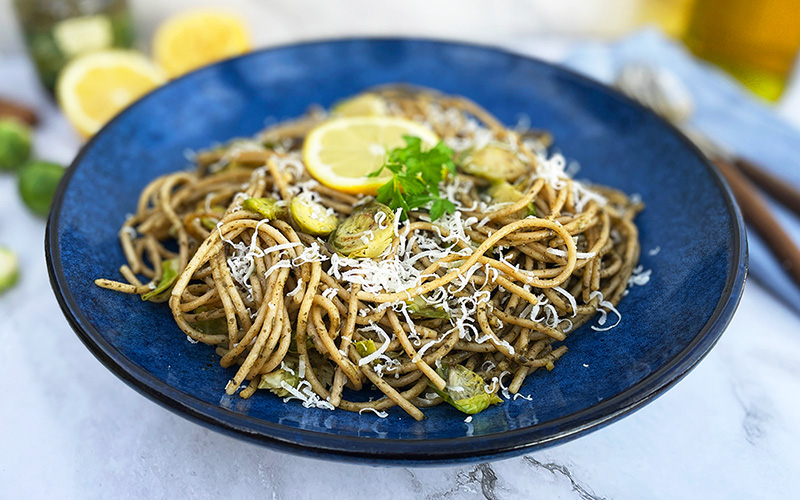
column 416, row 177
column 441, row 206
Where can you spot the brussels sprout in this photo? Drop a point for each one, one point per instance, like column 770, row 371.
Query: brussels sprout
column 210, row 223
column 272, row 381
column 365, row 233
column 420, row 308
column 503, row 192
column 365, row 347
column 9, row 268
column 15, row 143
column 494, row 162
column 311, row 217
column 266, row 207
column 38, row 182
column 169, row 273
column 465, row 389
column 212, row 326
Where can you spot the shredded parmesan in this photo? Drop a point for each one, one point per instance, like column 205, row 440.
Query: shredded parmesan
column 640, row 276
column 579, row 255
column 381, row 414
column 603, row 314
column 380, row 350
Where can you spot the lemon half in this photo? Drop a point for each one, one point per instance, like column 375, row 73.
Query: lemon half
column 93, row 88
column 193, row 39
column 341, row 152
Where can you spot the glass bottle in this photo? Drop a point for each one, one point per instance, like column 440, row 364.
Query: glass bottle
column 57, row 30
column 756, row 41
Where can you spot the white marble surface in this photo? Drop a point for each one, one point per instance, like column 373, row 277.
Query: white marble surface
column 71, row 429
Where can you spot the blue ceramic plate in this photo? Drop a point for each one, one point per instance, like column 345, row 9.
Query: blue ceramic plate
column 668, row 325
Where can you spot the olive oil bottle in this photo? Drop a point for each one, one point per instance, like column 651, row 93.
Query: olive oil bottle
column 756, row 41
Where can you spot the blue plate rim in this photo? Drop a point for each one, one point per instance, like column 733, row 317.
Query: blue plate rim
column 394, row 451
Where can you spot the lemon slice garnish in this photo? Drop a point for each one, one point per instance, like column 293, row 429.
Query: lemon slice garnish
column 341, row 152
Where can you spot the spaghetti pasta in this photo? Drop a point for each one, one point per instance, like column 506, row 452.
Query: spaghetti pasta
column 491, row 288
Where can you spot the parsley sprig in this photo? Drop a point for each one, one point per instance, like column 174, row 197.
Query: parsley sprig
column 416, row 177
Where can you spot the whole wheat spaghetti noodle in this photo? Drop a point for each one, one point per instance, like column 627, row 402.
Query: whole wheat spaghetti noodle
column 493, row 288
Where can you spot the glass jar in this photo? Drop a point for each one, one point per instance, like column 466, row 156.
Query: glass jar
column 57, row 30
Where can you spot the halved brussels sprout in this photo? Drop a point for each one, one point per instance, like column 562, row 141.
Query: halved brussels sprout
column 365, row 347
column 365, row 233
column 420, row 308
column 273, row 379
column 169, row 273
column 211, row 326
column 465, row 389
column 210, row 223
column 494, row 162
column 311, row 217
column 266, row 207
column 503, row 192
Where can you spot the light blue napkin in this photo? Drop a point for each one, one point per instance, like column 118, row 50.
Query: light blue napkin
column 725, row 112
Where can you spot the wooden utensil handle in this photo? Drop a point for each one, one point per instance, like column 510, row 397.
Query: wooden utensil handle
column 758, row 214
column 778, row 188
column 24, row 113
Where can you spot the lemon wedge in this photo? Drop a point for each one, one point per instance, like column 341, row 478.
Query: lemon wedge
column 94, row 87
column 341, row 152
column 193, row 39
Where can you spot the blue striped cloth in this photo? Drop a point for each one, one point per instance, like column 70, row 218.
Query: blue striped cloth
column 726, row 113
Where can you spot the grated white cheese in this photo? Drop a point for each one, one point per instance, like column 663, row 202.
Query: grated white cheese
column 381, row 414
column 380, row 350
column 603, row 314
column 296, row 289
column 304, row 393
column 579, row 255
column 309, row 254
column 640, row 276
column 571, row 298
